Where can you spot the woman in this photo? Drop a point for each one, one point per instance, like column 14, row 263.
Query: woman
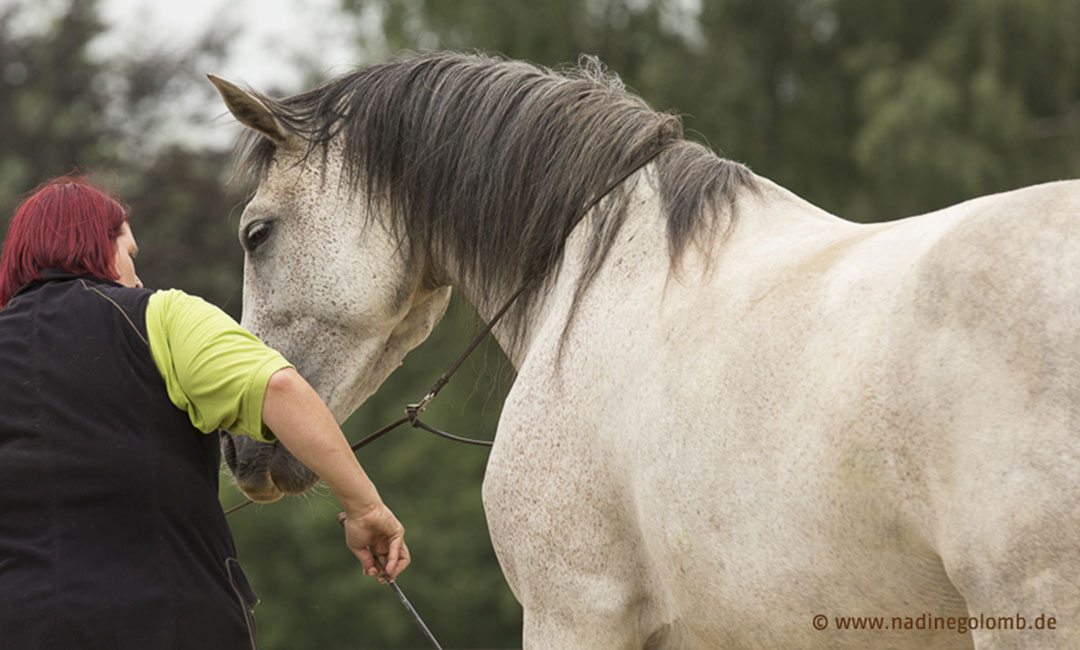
column 111, row 535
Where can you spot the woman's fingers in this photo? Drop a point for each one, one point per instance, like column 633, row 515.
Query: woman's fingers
column 367, row 559
column 379, row 544
column 398, row 558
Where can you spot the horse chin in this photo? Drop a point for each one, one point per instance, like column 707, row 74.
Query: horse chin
column 263, row 493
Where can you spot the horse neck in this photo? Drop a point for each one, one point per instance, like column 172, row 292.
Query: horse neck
column 643, row 236
column 764, row 216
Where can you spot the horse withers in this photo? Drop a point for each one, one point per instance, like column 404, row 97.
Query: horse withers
column 738, row 421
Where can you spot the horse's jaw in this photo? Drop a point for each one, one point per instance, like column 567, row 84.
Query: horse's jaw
column 346, row 367
column 380, row 357
column 366, row 366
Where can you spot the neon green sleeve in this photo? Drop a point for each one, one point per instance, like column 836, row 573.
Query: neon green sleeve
column 213, row 368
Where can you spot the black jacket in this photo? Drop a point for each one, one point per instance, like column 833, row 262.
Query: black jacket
column 111, row 534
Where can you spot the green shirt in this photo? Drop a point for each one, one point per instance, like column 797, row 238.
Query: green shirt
column 213, row 368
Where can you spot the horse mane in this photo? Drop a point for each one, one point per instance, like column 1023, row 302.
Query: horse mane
column 488, row 164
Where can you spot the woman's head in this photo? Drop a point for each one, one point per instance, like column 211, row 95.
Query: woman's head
column 69, row 224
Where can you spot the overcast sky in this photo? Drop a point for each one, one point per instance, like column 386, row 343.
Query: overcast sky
column 273, row 33
column 272, row 36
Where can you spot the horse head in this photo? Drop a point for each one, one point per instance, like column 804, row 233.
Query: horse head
column 325, row 283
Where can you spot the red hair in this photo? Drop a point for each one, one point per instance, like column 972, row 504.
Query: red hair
column 68, row 224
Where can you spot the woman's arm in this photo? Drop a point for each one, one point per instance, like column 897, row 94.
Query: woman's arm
column 293, row 411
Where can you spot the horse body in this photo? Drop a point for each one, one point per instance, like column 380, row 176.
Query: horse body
column 817, row 423
column 802, row 417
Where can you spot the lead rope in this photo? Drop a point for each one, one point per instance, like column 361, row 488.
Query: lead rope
column 385, row 577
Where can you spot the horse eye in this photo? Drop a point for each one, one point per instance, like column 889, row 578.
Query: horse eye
column 256, row 233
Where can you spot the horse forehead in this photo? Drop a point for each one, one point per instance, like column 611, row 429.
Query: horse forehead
column 307, row 180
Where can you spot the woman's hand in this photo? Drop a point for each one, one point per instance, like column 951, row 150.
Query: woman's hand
column 377, row 538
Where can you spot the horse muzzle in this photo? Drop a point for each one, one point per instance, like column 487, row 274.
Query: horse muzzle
column 265, row 472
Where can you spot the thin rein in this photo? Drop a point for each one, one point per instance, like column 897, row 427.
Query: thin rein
column 413, row 411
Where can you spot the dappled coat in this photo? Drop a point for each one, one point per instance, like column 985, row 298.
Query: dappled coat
column 111, row 534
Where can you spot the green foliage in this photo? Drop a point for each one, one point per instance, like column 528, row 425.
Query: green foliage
column 981, row 97
column 52, row 115
column 872, row 110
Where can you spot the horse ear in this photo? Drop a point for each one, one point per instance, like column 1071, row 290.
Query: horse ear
column 251, row 111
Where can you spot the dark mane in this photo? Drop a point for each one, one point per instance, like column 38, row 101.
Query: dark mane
column 489, row 164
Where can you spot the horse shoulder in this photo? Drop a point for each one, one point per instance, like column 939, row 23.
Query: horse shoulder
column 983, row 328
column 1005, row 275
